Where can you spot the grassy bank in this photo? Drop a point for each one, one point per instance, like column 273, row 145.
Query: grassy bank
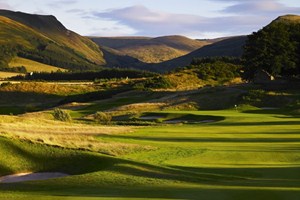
column 243, row 156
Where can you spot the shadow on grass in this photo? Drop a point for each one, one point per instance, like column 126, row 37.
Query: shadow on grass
column 131, row 179
column 191, row 187
column 204, row 139
column 269, row 123
column 288, row 113
column 38, row 158
column 93, row 96
column 21, row 102
column 272, row 175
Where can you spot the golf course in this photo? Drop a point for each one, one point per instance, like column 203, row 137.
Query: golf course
column 211, row 114
column 236, row 153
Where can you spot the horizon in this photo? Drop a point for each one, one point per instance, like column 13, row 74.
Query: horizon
column 205, row 19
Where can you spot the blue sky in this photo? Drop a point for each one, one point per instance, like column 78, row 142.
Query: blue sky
column 192, row 18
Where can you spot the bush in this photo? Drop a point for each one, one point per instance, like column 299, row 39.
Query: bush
column 61, row 115
column 158, row 82
column 5, row 84
column 102, row 118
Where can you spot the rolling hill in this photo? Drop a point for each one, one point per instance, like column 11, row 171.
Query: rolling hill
column 232, row 46
column 288, row 19
column 274, row 49
column 46, row 40
column 152, row 50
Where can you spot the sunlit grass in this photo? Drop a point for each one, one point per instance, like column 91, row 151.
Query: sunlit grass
column 239, row 156
column 33, row 66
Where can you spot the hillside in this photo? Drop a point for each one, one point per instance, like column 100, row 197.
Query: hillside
column 227, row 47
column 274, row 49
column 32, row 66
column 117, row 59
column 151, row 50
column 45, row 39
column 288, row 18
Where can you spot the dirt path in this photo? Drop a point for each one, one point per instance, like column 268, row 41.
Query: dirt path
column 22, row 177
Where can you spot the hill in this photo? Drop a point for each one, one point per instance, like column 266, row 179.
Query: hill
column 232, row 46
column 274, row 49
column 45, row 39
column 151, row 50
column 32, row 66
column 117, row 59
column 288, row 18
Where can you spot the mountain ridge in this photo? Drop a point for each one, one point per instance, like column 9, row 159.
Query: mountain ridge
column 151, row 50
column 48, row 41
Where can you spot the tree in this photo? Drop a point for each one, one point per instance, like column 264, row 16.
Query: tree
column 274, row 49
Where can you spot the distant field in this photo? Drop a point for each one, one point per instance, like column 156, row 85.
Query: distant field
column 242, row 155
column 4, row 75
column 33, row 66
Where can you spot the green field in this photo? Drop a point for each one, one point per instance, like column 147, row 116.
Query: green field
column 33, row 66
column 246, row 155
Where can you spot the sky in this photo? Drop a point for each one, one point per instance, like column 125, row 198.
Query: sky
column 201, row 19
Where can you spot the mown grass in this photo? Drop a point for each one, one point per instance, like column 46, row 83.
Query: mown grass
column 240, row 153
column 243, row 156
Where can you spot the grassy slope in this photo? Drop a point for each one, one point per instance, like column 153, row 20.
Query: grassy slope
column 227, row 47
column 152, row 50
column 46, row 30
column 289, row 18
column 4, row 75
column 33, row 66
column 212, row 161
column 31, row 96
column 13, row 32
column 244, row 154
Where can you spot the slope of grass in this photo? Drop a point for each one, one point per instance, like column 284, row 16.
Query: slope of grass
column 240, row 153
column 240, row 157
column 289, row 18
column 227, row 47
column 46, row 40
column 152, row 50
column 14, row 33
column 4, row 75
column 33, row 66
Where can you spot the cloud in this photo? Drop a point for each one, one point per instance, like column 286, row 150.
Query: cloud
column 263, row 7
column 61, row 3
column 148, row 22
column 4, row 5
column 254, row 7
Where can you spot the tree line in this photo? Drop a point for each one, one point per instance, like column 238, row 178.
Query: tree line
column 87, row 75
column 274, row 49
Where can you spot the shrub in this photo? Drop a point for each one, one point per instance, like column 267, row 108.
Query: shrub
column 157, row 82
column 102, row 118
column 5, row 84
column 61, row 115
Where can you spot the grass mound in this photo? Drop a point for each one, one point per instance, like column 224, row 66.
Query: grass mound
column 23, row 156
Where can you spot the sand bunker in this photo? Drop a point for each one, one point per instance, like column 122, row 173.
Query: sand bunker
column 22, row 177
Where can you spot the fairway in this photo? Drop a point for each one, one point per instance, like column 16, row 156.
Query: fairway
column 244, row 155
